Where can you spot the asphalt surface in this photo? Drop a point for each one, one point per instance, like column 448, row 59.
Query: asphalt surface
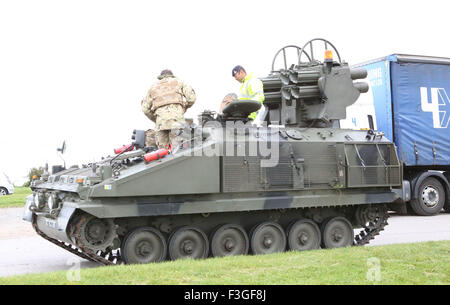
column 23, row 251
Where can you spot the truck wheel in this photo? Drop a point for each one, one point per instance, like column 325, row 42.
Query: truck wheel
column 447, row 206
column 3, row 191
column 431, row 198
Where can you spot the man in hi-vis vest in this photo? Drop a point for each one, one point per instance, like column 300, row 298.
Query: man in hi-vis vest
column 251, row 88
column 165, row 104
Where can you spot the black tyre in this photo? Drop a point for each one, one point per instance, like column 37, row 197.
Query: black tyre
column 228, row 240
column 304, row 234
column 431, row 198
column 144, row 245
column 268, row 237
column 3, row 191
column 337, row 232
column 447, row 204
column 447, row 207
column 188, row 242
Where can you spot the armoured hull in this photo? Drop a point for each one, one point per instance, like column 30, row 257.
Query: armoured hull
column 316, row 175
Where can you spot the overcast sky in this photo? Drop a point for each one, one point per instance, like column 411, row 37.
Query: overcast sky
column 77, row 70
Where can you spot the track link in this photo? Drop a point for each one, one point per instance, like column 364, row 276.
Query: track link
column 112, row 257
column 373, row 228
column 104, row 258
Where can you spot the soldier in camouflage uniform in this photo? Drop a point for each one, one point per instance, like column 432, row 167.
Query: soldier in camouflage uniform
column 165, row 104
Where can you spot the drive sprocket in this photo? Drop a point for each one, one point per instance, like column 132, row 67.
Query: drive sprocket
column 373, row 219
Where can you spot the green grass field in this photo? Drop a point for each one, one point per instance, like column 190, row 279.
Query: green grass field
column 420, row 263
column 17, row 199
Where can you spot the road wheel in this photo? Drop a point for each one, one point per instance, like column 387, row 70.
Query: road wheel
column 337, row 232
column 3, row 191
column 268, row 237
column 144, row 245
column 303, row 234
column 228, row 240
column 431, row 198
column 188, row 242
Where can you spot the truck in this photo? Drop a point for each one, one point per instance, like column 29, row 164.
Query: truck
column 408, row 101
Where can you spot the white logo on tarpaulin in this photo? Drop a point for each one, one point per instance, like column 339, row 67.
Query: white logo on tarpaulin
column 439, row 99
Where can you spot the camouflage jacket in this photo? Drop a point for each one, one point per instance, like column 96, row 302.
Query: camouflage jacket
column 169, row 117
column 167, row 91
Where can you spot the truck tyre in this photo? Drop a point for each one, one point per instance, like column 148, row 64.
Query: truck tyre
column 430, row 198
column 447, row 207
column 447, row 204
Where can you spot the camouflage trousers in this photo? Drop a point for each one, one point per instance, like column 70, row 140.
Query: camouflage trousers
column 164, row 138
column 150, row 138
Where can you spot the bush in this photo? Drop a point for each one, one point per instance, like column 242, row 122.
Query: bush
column 34, row 172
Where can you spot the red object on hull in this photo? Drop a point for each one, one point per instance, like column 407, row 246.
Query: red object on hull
column 156, row 155
column 124, row 148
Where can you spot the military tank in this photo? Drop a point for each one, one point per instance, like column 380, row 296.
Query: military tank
column 295, row 181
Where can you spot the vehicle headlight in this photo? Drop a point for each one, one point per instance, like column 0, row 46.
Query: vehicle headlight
column 38, row 200
column 51, row 201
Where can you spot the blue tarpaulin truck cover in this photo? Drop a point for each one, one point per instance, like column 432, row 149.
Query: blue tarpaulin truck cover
column 409, row 100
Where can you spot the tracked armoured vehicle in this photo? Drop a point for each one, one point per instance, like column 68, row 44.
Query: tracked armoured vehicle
column 296, row 181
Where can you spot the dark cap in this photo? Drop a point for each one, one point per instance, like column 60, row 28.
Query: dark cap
column 236, row 70
column 165, row 73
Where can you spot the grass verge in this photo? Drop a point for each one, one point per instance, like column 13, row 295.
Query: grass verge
column 420, row 263
column 17, row 199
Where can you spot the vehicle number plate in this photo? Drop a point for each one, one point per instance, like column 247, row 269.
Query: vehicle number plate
column 51, row 223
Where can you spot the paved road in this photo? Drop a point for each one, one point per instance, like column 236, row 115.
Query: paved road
column 22, row 251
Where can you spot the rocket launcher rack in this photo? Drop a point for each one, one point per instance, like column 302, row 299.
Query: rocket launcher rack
column 313, row 93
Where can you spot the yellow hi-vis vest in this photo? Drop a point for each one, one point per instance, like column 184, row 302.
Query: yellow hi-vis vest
column 252, row 89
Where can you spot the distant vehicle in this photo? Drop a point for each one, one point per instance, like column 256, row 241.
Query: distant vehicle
column 409, row 101
column 6, row 187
